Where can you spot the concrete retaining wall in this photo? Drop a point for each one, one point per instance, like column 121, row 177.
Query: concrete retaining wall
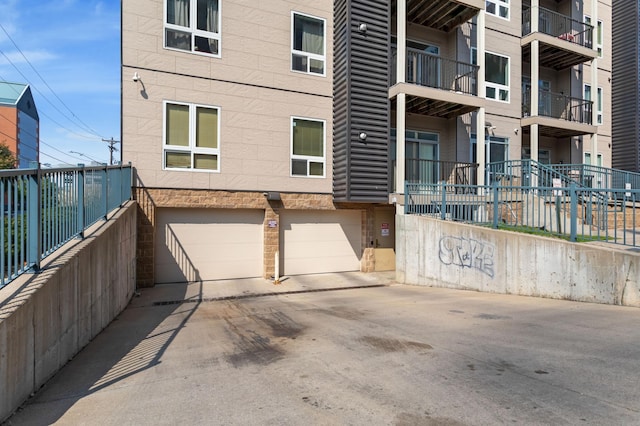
column 448, row 254
column 47, row 318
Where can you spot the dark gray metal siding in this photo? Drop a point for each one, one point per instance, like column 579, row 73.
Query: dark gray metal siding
column 360, row 90
column 625, row 86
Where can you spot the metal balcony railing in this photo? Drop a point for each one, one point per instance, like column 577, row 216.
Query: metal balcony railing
column 571, row 212
column 560, row 106
column 42, row 209
column 558, row 25
column 425, row 69
column 582, row 175
column 434, row 171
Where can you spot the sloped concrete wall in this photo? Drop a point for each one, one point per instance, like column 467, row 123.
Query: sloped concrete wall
column 47, row 318
column 449, row 254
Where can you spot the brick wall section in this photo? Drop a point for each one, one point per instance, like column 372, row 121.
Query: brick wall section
column 151, row 198
column 271, row 240
column 368, row 235
column 9, row 128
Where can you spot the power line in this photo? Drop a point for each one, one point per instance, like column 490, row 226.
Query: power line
column 87, row 127
column 57, row 159
column 45, row 98
column 40, row 141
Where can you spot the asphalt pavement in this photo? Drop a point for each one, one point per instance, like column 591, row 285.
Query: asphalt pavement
column 349, row 348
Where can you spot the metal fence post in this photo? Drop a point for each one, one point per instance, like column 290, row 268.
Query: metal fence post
column 574, row 212
column 120, row 183
column 496, row 201
column 443, row 207
column 128, row 182
column 34, row 218
column 80, row 205
column 407, row 198
column 105, row 192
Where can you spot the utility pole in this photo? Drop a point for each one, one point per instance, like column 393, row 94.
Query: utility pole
column 112, row 148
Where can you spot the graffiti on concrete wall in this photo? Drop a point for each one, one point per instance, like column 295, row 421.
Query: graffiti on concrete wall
column 467, row 253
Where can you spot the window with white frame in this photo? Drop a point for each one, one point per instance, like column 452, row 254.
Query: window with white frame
column 599, row 34
column 597, row 103
column 498, row 8
column 191, row 137
column 193, row 26
column 587, row 159
column 308, row 44
column 595, row 176
column 307, row 147
column 496, row 76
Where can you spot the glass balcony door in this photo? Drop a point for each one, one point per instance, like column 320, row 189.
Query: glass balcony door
column 421, row 156
column 423, row 62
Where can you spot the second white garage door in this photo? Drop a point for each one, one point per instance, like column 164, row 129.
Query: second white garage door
column 208, row 244
column 320, row 241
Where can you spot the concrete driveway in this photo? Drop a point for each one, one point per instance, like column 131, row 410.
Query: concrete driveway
column 374, row 354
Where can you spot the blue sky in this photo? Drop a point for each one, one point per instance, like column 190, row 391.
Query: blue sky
column 75, row 46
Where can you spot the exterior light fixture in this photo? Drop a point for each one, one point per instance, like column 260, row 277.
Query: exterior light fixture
column 363, row 136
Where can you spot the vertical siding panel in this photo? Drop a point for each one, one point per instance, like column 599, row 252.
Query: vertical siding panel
column 625, row 85
column 361, row 168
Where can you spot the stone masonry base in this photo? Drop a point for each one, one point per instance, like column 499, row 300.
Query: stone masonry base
column 149, row 199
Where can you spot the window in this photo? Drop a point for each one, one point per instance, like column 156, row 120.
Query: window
column 307, row 147
column 594, row 177
column 496, row 154
column 308, row 44
column 497, row 76
column 421, row 156
column 498, row 8
column 191, row 135
column 587, row 159
column 599, row 34
column 597, row 103
column 545, row 100
column 193, row 26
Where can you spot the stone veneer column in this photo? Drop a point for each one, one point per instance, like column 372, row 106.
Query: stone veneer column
column 368, row 261
column 271, row 241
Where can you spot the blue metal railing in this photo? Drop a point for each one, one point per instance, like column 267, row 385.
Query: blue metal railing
column 42, row 209
column 530, row 172
column 574, row 212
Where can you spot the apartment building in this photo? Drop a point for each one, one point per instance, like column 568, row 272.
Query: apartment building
column 292, row 126
column 626, row 85
column 227, row 117
column 481, row 59
column 19, row 123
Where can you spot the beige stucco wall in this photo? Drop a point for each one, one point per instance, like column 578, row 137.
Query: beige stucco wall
column 251, row 82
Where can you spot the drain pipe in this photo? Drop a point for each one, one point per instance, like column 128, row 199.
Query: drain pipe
column 276, row 278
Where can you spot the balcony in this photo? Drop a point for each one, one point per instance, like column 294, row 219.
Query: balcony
column 559, row 115
column 564, row 42
column 442, row 15
column 436, row 86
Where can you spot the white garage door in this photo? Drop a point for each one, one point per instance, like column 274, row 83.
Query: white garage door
column 208, row 244
column 316, row 242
